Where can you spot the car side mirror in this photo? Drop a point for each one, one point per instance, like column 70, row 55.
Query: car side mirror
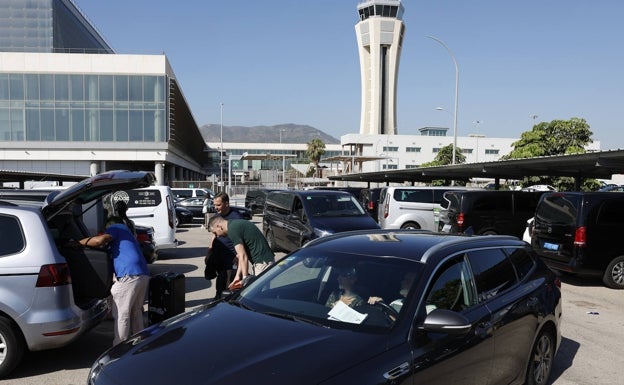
column 446, row 321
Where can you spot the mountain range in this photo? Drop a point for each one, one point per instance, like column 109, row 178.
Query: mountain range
column 287, row 133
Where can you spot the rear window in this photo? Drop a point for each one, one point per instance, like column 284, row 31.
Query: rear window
column 522, row 261
column 558, row 209
column 12, row 235
column 450, row 200
column 493, row 272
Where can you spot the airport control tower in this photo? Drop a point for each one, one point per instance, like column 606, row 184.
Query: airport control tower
column 380, row 38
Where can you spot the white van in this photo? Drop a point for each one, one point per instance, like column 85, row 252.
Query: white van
column 413, row 207
column 182, row 193
column 152, row 206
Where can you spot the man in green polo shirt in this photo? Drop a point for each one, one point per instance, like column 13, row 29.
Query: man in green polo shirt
column 250, row 244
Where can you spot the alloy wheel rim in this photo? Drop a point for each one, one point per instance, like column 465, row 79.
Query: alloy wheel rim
column 3, row 349
column 618, row 273
column 542, row 360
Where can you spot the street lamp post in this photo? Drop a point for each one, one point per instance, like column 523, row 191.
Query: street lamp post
column 283, row 160
column 456, row 94
column 221, row 150
column 477, row 136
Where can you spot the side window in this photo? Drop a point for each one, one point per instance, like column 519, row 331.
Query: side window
column 420, row 196
column 12, row 235
column 493, row 272
column 494, row 202
column 298, row 209
column 611, row 212
column 451, row 287
column 526, row 202
column 522, row 261
column 279, row 203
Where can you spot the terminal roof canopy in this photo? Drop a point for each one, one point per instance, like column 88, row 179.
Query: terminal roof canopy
column 601, row 164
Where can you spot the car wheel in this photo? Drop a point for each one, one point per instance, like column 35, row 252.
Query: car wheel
column 542, row 355
column 489, row 232
column 271, row 240
column 178, row 221
column 12, row 347
column 614, row 274
column 411, row 226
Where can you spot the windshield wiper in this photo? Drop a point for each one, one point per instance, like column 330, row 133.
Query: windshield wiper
column 294, row 318
column 238, row 303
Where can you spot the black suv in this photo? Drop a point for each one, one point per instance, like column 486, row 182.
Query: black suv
column 254, row 200
column 488, row 212
column 579, row 233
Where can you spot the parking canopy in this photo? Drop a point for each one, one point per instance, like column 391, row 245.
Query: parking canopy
column 600, row 164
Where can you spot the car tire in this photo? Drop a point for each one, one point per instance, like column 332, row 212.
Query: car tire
column 411, row 226
column 541, row 359
column 614, row 274
column 12, row 347
column 271, row 240
column 489, row 232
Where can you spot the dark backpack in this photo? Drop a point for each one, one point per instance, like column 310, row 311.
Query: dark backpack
column 212, row 265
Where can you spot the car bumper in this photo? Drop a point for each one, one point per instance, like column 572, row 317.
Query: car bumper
column 56, row 328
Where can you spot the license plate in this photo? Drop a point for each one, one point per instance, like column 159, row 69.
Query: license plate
column 551, row 246
column 446, row 228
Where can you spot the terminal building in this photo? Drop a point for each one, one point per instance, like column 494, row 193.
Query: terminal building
column 70, row 105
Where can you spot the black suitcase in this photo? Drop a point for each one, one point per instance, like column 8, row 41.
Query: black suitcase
column 166, row 296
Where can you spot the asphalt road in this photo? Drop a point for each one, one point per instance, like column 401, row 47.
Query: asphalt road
column 590, row 353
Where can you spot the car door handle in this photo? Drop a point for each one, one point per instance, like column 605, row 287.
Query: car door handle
column 397, row 372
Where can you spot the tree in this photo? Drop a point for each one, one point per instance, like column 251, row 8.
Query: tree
column 558, row 137
column 445, row 157
column 316, row 149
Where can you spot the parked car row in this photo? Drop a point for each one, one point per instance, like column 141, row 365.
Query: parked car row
column 571, row 232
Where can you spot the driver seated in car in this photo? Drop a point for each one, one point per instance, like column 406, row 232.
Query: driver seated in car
column 345, row 293
column 406, row 284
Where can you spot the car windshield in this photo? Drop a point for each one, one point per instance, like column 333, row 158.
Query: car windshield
column 334, row 205
column 335, row 289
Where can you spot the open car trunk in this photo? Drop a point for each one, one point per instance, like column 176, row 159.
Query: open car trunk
column 91, row 269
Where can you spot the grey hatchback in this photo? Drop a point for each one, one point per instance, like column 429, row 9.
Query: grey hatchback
column 52, row 290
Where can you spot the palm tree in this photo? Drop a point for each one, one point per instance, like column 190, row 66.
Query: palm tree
column 316, row 149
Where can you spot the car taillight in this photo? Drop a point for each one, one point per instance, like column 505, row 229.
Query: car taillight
column 54, row 275
column 371, row 205
column 460, row 221
column 386, row 210
column 142, row 237
column 580, row 236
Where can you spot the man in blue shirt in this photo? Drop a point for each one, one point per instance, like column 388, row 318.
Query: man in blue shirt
column 132, row 277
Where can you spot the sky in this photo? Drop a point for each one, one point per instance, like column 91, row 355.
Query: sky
column 296, row 61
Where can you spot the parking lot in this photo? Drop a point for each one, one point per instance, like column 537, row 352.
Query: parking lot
column 590, row 353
